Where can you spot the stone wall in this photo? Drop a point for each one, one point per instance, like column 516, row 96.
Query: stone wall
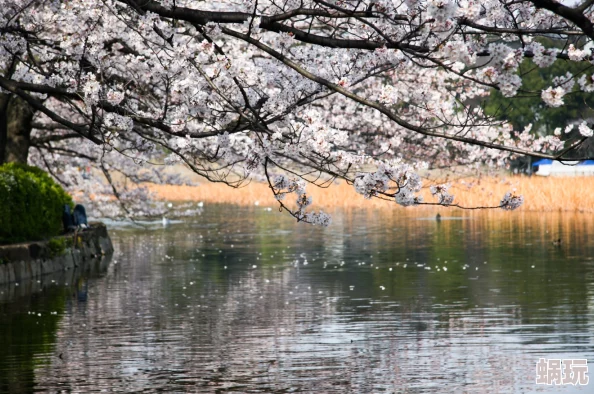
column 19, row 262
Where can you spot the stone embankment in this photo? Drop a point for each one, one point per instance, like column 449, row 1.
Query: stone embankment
column 23, row 261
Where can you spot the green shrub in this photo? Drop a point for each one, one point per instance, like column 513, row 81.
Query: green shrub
column 31, row 204
column 56, row 247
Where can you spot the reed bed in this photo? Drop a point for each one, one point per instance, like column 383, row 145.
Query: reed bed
column 541, row 194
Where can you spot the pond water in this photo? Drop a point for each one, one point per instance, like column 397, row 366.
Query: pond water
column 246, row 300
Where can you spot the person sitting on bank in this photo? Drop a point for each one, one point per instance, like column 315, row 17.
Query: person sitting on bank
column 74, row 220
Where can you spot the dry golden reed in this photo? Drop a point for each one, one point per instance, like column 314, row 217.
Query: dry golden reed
column 542, row 194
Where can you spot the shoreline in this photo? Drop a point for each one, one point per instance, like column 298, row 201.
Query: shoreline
column 29, row 260
column 541, row 194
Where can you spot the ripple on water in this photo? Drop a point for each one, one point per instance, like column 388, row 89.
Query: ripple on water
column 184, row 309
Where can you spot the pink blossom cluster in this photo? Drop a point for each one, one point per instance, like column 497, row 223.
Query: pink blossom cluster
column 370, row 92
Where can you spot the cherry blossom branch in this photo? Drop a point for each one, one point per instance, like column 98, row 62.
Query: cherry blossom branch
column 377, row 106
column 36, row 104
column 575, row 15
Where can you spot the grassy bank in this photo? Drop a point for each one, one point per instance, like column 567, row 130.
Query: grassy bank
column 542, row 194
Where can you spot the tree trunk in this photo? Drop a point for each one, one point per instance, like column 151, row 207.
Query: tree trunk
column 16, row 117
column 3, row 124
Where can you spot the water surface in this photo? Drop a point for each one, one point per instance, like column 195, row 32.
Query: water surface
column 246, row 300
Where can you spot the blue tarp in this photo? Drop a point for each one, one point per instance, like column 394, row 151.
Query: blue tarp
column 549, row 161
column 541, row 162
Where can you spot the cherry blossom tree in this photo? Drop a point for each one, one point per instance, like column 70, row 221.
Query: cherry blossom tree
column 291, row 92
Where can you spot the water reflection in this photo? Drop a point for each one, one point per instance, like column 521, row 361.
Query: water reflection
column 30, row 314
column 245, row 300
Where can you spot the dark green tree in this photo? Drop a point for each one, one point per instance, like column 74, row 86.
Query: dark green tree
column 529, row 108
